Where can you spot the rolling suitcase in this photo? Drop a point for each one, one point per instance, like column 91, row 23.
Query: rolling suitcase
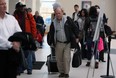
column 51, row 62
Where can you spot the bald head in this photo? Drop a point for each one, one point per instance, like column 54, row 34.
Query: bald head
column 2, row 7
column 2, row 1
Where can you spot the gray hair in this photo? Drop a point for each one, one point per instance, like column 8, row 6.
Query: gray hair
column 56, row 5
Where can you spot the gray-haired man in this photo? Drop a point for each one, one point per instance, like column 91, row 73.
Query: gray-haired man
column 62, row 36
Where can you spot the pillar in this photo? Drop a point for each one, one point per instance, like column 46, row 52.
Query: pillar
column 11, row 5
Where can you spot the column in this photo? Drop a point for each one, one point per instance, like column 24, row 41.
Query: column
column 38, row 5
column 31, row 4
column 11, row 6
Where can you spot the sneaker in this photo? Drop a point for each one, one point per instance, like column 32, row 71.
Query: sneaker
column 61, row 75
column 96, row 65
column 88, row 64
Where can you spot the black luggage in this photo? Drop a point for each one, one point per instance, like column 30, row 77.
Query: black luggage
column 51, row 62
column 77, row 57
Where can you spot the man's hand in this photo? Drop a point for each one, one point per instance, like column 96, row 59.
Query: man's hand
column 16, row 45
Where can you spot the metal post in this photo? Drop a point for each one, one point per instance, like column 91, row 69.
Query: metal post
column 108, row 61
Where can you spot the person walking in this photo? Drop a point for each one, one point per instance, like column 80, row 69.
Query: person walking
column 63, row 32
column 40, row 26
column 27, row 24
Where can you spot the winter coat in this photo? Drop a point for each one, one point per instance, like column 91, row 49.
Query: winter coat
column 29, row 23
column 71, row 32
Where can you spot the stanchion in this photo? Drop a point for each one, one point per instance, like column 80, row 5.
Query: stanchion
column 108, row 61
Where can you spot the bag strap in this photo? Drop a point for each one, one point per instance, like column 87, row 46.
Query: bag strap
column 27, row 37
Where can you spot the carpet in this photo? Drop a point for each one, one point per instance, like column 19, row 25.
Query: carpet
column 38, row 65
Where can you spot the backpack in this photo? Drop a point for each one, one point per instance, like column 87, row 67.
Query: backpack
column 92, row 27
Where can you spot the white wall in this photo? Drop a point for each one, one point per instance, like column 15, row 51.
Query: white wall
column 29, row 4
column 115, row 17
column 110, row 10
column 34, row 4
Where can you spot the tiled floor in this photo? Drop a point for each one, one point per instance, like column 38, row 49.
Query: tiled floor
column 81, row 72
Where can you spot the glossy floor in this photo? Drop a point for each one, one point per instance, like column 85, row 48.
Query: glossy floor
column 81, row 72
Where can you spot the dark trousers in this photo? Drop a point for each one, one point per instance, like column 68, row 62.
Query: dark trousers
column 83, row 50
column 89, row 48
column 9, row 60
column 101, row 55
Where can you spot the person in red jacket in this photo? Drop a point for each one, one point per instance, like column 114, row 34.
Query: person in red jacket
column 27, row 24
column 25, row 19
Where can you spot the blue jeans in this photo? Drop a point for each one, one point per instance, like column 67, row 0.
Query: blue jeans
column 28, row 55
column 29, row 58
column 90, row 45
column 33, row 57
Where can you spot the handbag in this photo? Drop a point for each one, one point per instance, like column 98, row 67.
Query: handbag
column 77, row 59
column 39, row 36
column 100, row 45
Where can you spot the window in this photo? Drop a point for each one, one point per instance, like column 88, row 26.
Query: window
column 46, row 9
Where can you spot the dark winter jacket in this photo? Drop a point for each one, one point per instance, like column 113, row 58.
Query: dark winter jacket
column 71, row 32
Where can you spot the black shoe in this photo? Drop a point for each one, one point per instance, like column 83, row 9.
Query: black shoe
column 66, row 75
column 61, row 75
column 88, row 64
column 29, row 73
column 22, row 72
column 18, row 74
column 102, row 60
column 96, row 65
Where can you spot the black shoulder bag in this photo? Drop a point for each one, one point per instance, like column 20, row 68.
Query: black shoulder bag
column 77, row 58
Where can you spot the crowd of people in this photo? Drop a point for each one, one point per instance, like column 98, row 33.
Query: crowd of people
column 65, row 33
column 87, row 22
